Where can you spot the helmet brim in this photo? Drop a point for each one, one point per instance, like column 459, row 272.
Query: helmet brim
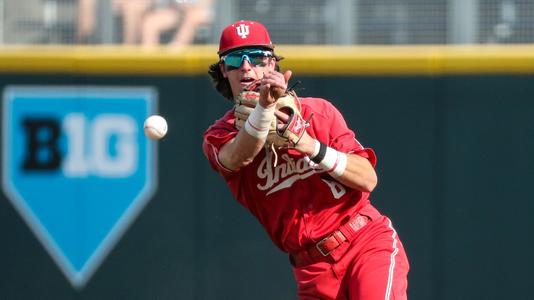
column 228, row 50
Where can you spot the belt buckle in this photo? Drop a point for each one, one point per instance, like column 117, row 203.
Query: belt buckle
column 318, row 246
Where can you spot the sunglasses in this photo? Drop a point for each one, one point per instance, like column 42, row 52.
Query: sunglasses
column 255, row 57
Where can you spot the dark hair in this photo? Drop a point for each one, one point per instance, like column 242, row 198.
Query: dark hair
column 222, row 85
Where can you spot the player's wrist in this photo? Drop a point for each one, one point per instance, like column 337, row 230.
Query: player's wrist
column 317, row 148
column 267, row 105
column 329, row 159
column 259, row 121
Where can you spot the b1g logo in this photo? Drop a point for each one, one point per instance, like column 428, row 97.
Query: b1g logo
column 77, row 167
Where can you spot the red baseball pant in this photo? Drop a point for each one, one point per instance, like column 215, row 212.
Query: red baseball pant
column 375, row 266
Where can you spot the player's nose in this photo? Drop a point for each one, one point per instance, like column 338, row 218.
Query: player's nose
column 245, row 65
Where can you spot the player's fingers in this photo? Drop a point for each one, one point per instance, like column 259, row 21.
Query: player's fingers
column 281, row 116
column 274, row 75
column 275, row 82
column 287, row 75
column 264, row 92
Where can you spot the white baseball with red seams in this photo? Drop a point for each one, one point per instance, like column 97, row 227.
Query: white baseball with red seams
column 155, row 127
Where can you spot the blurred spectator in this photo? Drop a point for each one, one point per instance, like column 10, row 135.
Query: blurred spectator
column 183, row 17
column 129, row 12
column 132, row 13
column 86, row 21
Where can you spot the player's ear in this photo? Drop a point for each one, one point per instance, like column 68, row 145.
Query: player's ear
column 223, row 70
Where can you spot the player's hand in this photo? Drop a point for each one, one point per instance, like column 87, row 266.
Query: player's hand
column 306, row 144
column 272, row 86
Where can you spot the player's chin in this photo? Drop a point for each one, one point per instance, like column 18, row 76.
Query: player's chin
column 237, row 90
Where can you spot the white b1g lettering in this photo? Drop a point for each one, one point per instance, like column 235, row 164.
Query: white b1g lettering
column 104, row 146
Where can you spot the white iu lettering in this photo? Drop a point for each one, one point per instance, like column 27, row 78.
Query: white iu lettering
column 242, row 31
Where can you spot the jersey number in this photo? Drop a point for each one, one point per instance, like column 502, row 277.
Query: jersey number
column 337, row 189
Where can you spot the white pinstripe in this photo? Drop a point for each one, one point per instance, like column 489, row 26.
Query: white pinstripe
column 392, row 263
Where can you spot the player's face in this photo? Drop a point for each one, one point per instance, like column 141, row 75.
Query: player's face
column 244, row 66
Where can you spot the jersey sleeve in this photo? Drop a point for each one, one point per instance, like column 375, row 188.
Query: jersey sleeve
column 343, row 138
column 214, row 138
column 340, row 136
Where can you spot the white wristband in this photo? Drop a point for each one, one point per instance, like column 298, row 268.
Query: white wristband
column 341, row 165
column 330, row 159
column 334, row 162
column 259, row 121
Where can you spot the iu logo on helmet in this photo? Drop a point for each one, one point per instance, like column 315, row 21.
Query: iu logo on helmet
column 242, row 31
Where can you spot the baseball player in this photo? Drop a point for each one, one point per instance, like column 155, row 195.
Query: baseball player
column 297, row 167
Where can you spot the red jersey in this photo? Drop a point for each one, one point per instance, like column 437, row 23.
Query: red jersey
column 296, row 202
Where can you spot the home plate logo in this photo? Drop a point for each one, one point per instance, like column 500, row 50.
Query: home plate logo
column 77, row 167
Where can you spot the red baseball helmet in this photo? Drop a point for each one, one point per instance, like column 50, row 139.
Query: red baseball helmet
column 244, row 33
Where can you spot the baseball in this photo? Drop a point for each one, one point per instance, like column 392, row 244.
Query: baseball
column 155, row 127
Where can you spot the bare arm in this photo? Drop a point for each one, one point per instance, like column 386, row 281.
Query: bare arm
column 359, row 174
column 240, row 151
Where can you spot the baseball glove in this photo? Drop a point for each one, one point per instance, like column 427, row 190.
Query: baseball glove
column 281, row 134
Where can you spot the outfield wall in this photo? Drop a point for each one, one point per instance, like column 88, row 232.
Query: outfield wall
column 452, row 127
